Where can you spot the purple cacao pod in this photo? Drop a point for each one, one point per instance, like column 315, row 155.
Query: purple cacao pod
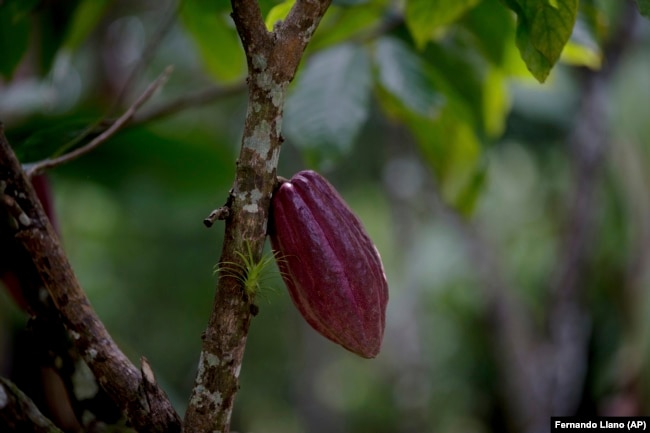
column 328, row 262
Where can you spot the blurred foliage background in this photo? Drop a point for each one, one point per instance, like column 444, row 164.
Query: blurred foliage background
column 470, row 176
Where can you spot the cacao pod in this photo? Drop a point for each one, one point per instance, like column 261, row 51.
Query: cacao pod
column 329, row 264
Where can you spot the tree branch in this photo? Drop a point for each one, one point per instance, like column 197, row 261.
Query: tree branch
column 40, row 167
column 272, row 60
column 114, row 372
column 250, row 26
column 19, row 413
column 150, row 50
column 202, row 97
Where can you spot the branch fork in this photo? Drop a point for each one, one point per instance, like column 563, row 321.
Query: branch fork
column 273, row 59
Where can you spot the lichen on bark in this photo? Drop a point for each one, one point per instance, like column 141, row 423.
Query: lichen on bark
column 272, row 58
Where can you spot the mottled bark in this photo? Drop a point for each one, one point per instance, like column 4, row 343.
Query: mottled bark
column 18, row 413
column 273, row 58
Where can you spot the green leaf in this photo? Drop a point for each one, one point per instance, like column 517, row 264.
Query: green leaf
column 425, row 17
column 469, row 194
column 513, row 5
column 459, row 73
column 330, row 102
column 342, row 23
column 596, row 19
column 53, row 21
column 644, row 7
column 215, row 37
column 448, row 144
column 582, row 55
column 265, row 5
column 543, row 29
column 15, row 26
column 493, row 28
column 582, row 49
column 278, row 13
column 404, row 75
column 85, row 19
column 496, row 102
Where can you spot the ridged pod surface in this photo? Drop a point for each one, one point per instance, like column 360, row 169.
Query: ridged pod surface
column 328, row 262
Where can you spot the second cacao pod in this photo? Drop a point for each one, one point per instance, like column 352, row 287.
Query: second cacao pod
column 328, row 262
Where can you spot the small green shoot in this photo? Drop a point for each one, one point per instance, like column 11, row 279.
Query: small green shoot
column 252, row 274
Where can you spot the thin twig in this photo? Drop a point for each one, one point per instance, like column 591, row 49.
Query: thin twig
column 166, row 24
column 40, row 167
column 200, row 98
column 144, row 60
column 19, row 413
column 218, row 214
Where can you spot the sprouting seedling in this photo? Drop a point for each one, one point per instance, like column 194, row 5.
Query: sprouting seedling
column 253, row 275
